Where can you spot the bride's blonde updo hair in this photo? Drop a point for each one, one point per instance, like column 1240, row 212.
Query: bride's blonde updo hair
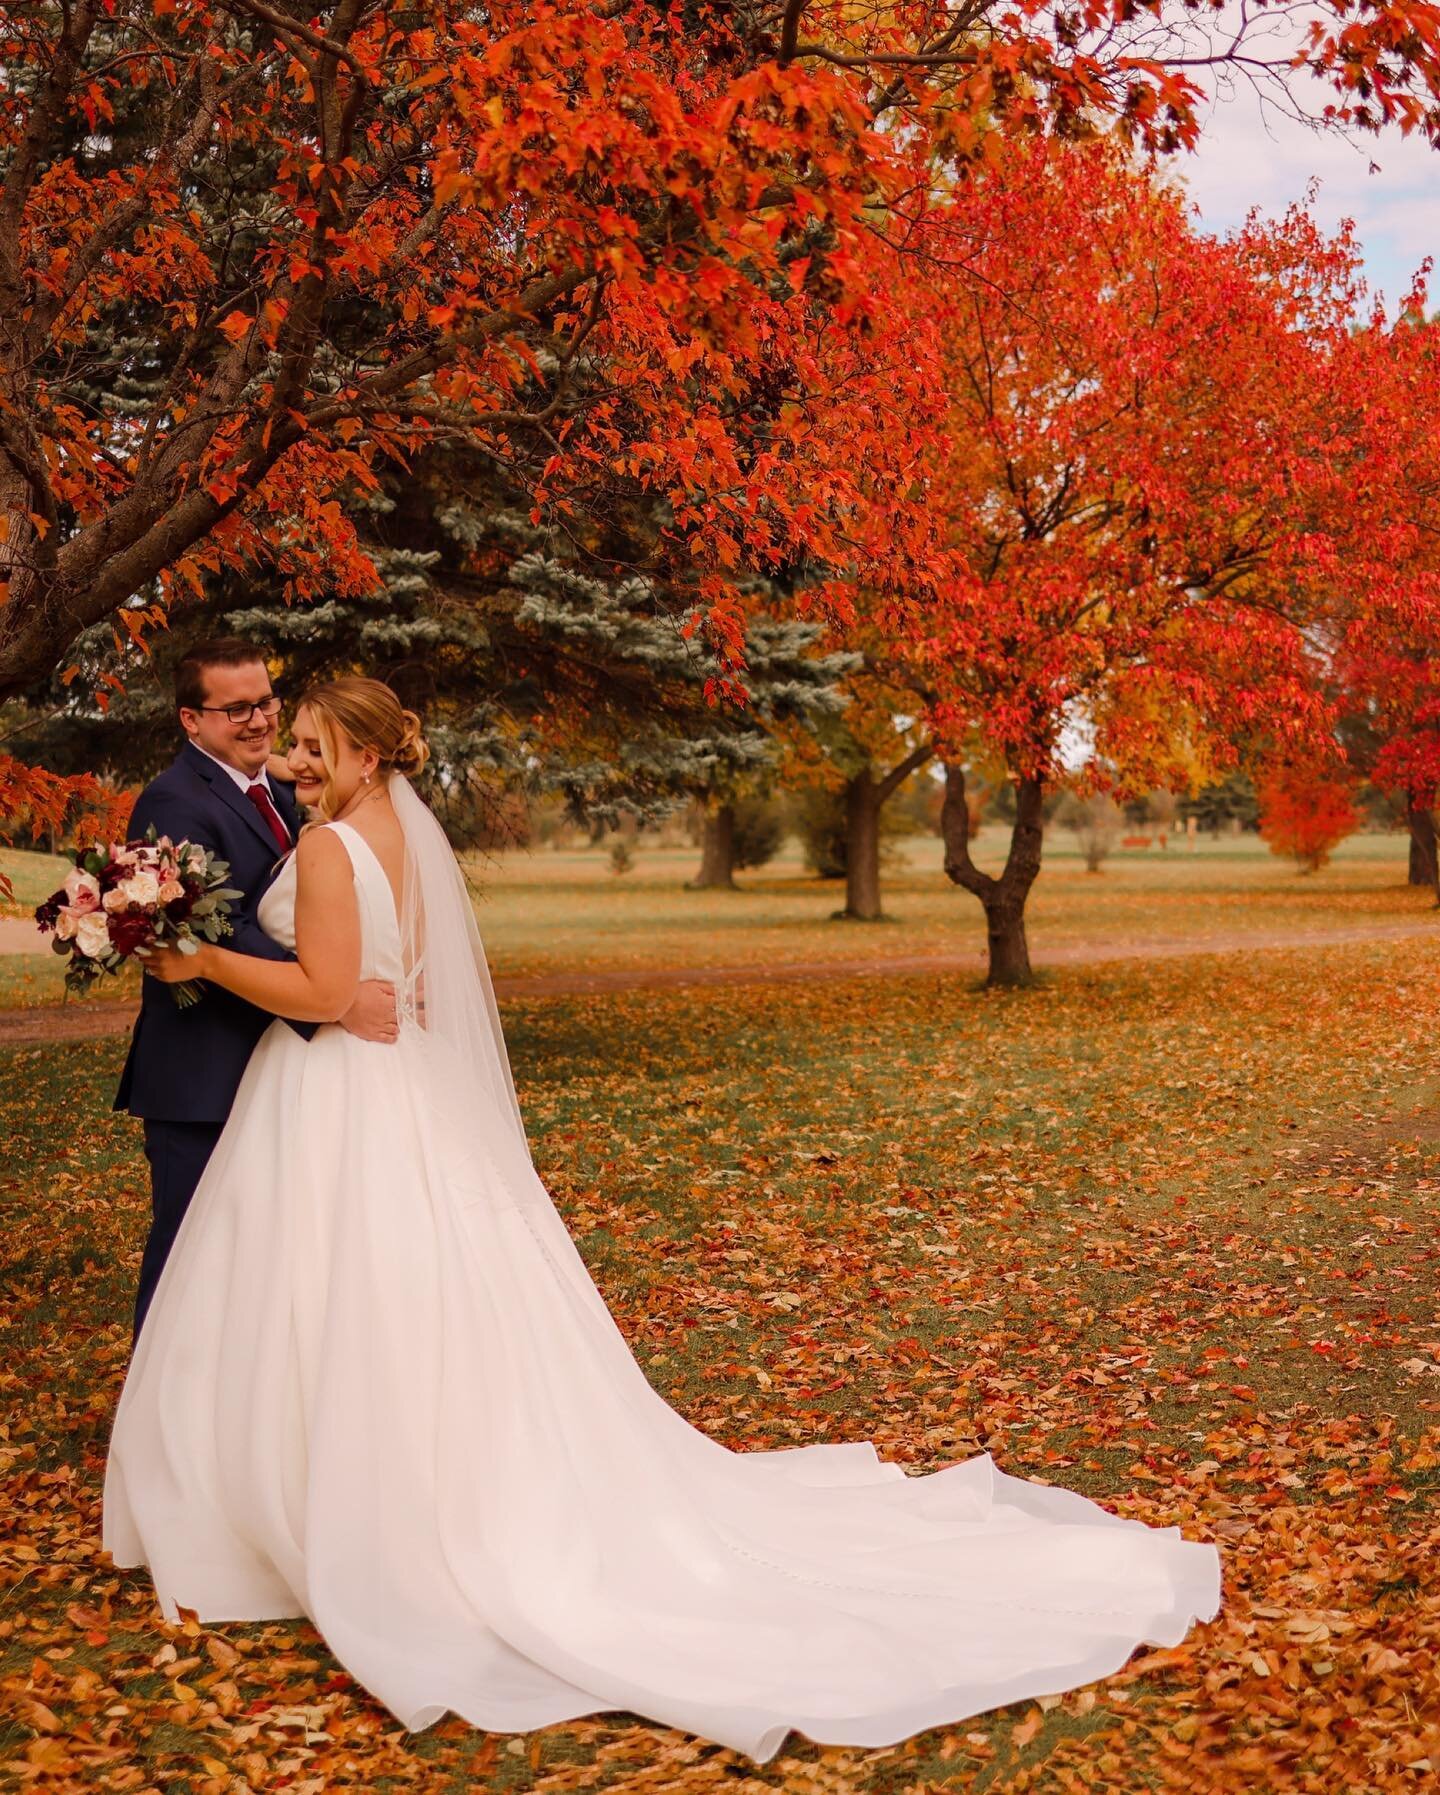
column 369, row 714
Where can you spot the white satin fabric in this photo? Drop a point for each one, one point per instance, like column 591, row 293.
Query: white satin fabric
column 377, row 1387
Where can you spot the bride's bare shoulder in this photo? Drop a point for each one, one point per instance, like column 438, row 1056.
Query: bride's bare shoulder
column 320, row 848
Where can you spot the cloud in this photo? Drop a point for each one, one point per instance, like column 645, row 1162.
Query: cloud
column 1253, row 154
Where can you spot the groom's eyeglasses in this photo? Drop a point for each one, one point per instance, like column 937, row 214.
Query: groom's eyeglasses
column 242, row 713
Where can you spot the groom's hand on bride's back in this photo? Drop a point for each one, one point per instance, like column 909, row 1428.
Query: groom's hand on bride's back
column 373, row 1015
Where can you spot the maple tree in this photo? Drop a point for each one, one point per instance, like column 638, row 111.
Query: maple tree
column 249, row 251
column 1162, row 484
column 1381, row 653
column 1390, row 723
column 1305, row 813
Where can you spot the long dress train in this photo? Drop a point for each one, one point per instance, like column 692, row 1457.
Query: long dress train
column 377, row 1387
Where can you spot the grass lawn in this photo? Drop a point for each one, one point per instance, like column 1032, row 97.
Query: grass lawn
column 551, row 911
column 32, row 877
column 1165, row 1234
column 30, row 979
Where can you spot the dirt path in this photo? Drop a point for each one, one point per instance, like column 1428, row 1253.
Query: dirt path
column 18, row 935
column 94, row 1020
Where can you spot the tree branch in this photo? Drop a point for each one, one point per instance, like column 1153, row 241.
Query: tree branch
column 171, row 157
column 790, row 31
column 885, row 788
column 960, row 868
column 45, row 119
column 284, row 27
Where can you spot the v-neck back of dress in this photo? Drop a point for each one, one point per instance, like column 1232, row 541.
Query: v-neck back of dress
column 380, row 952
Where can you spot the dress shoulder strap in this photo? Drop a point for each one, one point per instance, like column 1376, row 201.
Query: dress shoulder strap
column 365, row 863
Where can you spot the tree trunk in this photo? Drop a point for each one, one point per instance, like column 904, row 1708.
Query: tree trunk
column 1004, row 898
column 865, row 797
column 1424, row 862
column 1008, row 945
column 717, row 852
column 862, row 849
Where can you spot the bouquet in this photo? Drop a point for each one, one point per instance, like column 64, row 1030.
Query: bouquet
column 125, row 898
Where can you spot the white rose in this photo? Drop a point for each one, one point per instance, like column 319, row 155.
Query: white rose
column 170, row 889
column 195, row 860
column 92, row 935
column 65, row 924
column 114, row 898
column 141, row 889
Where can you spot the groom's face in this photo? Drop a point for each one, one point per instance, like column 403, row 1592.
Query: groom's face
column 243, row 745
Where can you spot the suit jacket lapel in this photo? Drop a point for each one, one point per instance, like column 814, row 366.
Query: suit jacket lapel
column 226, row 790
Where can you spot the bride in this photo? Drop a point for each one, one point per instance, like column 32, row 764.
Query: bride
column 378, row 1388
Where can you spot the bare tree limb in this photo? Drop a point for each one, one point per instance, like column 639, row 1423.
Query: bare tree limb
column 886, row 788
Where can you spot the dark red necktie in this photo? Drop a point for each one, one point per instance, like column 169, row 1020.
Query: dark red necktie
column 260, row 798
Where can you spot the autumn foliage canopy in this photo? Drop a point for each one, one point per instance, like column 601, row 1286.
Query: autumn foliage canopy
column 1148, row 475
column 249, row 252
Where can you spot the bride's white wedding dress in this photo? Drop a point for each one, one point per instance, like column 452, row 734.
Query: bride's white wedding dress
column 377, row 1387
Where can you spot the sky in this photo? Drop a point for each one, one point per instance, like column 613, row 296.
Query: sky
column 1254, row 155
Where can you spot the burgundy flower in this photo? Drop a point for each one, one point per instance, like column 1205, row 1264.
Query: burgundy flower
column 130, row 929
column 48, row 913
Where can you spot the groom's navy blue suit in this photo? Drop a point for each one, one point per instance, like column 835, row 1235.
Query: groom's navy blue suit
column 185, row 1066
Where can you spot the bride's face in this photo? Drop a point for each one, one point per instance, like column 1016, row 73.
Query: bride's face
column 307, row 763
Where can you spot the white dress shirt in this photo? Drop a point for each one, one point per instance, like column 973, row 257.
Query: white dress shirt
column 243, row 780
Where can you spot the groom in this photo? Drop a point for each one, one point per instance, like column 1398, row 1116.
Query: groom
column 185, row 1066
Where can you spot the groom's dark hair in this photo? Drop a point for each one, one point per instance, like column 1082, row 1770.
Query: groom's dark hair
column 219, row 651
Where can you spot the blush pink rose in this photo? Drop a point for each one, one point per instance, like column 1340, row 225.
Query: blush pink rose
column 83, row 891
